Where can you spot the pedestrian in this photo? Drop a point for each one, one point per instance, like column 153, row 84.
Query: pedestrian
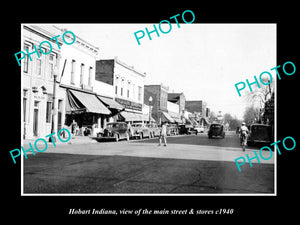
column 73, row 128
column 163, row 134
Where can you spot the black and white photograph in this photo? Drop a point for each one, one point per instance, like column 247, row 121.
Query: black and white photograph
column 154, row 114
column 132, row 112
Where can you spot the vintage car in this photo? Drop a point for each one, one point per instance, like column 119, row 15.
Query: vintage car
column 153, row 129
column 199, row 129
column 116, row 131
column 172, row 129
column 259, row 134
column 186, row 129
column 139, row 130
column 216, row 130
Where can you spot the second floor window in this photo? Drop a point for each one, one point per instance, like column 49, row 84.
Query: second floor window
column 140, row 94
column 26, row 61
column 73, row 64
column 81, row 73
column 38, row 66
column 90, row 75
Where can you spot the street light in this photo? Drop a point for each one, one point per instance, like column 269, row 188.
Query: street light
column 53, row 105
column 150, row 101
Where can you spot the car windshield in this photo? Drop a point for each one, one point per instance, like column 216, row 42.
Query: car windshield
column 216, row 126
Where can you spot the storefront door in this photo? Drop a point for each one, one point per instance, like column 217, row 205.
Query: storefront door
column 35, row 118
column 59, row 115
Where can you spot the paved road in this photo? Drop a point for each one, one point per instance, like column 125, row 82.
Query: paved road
column 184, row 166
column 231, row 140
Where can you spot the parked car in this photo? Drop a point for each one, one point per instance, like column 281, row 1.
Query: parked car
column 172, row 129
column 140, row 130
column 259, row 134
column 216, row 130
column 153, row 129
column 116, row 131
column 199, row 129
column 186, row 129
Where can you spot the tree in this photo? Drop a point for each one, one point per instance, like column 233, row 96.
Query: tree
column 212, row 117
column 251, row 114
column 259, row 96
column 232, row 121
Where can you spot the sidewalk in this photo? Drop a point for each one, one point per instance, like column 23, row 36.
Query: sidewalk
column 73, row 140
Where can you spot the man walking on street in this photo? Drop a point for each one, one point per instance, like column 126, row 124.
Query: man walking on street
column 163, row 134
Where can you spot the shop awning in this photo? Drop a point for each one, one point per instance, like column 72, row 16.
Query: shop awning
column 177, row 120
column 193, row 121
column 167, row 118
column 87, row 103
column 130, row 116
column 110, row 103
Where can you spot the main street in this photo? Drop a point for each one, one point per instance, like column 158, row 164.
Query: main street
column 189, row 164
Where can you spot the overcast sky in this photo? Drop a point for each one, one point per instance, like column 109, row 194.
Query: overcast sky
column 202, row 60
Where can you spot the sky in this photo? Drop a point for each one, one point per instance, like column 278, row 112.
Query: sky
column 204, row 61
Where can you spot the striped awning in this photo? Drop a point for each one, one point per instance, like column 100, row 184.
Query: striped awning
column 110, row 103
column 167, row 118
column 79, row 102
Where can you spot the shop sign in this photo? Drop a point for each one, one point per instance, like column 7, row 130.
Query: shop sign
column 129, row 104
column 40, row 97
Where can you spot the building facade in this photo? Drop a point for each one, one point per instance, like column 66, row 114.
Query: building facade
column 198, row 111
column 128, row 88
column 160, row 104
column 88, row 102
column 38, row 79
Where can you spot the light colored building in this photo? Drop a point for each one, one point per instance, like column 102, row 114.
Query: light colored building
column 37, row 79
column 88, row 101
column 128, row 87
column 173, row 111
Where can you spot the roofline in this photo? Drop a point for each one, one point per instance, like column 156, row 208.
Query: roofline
column 129, row 67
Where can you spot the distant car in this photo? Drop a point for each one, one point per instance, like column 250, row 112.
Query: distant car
column 216, row 130
column 172, row 129
column 153, row 130
column 140, row 130
column 259, row 134
column 199, row 129
column 186, row 129
column 116, row 131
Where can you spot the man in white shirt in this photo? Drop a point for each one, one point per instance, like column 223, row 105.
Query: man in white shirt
column 163, row 134
column 244, row 133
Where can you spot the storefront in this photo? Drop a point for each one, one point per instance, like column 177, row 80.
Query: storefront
column 86, row 109
column 132, row 111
